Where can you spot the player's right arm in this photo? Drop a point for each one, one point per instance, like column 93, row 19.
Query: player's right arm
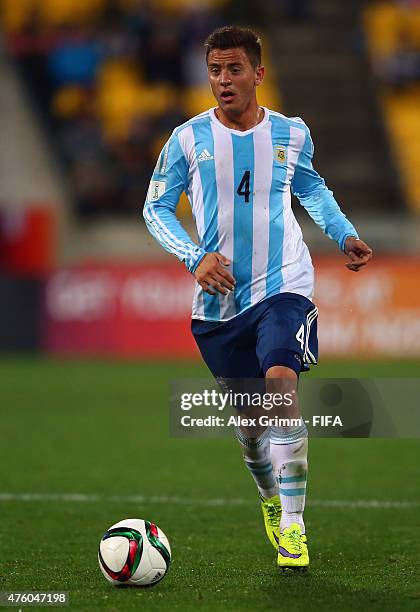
column 169, row 180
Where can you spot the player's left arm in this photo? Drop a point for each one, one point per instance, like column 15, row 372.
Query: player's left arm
column 321, row 205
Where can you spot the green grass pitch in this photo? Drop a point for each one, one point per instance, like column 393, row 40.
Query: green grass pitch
column 100, row 429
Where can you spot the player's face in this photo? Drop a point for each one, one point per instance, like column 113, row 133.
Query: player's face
column 233, row 79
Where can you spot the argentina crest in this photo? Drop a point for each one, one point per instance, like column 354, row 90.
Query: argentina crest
column 280, row 154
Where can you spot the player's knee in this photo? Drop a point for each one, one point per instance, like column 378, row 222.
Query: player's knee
column 282, row 363
column 281, row 372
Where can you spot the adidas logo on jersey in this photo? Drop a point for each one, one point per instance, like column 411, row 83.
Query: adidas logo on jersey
column 204, row 156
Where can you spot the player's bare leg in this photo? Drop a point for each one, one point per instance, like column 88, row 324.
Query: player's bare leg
column 289, row 447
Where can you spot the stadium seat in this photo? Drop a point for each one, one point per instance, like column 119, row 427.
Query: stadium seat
column 15, row 15
column 197, row 100
column 68, row 101
column 382, row 22
column 403, row 119
column 390, row 29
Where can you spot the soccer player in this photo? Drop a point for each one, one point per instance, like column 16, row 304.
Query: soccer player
column 252, row 314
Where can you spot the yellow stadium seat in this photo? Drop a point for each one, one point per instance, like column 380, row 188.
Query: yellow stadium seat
column 403, row 120
column 269, row 96
column 16, row 13
column 68, row 101
column 158, row 144
column 117, row 107
column 183, row 210
column 413, row 27
column 56, row 12
column 180, row 6
column 197, row 100
column 383, row 22
column 121, row 96
column 155, row 99
column 116, row 73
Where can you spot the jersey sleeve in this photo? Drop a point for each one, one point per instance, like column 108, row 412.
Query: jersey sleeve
column 169, row 180
column 317, row 199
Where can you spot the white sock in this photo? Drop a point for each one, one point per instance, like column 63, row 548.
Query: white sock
column 256, row 454
column 291, row 468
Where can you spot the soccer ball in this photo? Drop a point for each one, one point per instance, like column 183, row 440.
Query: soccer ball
column 134, row 552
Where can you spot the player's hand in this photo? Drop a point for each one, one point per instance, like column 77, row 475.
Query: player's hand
column 212, row 276
column 359, row 253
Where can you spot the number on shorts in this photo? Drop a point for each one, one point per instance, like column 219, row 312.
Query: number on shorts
column 300, row 336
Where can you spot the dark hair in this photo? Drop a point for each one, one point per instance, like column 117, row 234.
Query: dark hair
column 230, row 37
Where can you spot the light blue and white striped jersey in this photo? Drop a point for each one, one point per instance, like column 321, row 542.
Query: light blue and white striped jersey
column 238, row 184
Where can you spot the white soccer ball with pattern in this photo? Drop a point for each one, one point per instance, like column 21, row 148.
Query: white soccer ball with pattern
column 135, row 552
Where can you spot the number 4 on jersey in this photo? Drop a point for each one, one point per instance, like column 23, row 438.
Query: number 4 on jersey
column 243, row 189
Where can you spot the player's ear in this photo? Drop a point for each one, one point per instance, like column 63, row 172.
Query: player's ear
column 259, row 75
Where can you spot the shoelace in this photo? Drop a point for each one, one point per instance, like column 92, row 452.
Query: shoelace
column 294, row 537
column 273, row 514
